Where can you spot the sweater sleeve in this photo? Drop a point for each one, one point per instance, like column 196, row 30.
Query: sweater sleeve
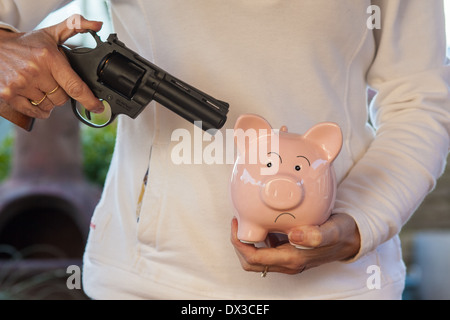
column 25, row 15
column 411, row 116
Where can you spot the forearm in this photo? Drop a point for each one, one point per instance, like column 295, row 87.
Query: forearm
column 411, row 116
column 392, row 180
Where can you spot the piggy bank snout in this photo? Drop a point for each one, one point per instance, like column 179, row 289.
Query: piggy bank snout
column 282, row 193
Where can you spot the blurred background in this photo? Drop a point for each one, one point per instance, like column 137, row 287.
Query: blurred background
column 51, row 180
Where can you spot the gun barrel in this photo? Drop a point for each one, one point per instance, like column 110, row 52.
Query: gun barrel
column 207, row 110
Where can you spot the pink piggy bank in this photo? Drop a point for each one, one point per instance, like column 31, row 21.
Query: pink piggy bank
column 282, row 180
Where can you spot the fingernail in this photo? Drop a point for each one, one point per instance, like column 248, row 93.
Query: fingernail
column 99, row 109
column 297, row 236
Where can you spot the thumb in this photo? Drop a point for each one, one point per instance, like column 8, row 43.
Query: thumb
column 306, row 237
column 71, row 26
column 315, row 236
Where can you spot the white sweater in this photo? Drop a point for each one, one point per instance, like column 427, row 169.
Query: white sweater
column 295, row 63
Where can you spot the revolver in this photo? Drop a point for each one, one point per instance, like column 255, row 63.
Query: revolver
column 125, row 82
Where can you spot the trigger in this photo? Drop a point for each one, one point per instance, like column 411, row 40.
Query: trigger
column 96, row 37
column 88, row 115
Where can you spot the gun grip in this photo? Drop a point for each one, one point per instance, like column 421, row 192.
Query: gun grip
column 19, row 119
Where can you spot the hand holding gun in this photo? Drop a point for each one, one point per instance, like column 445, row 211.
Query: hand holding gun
column 35, row 76
column 122, row 80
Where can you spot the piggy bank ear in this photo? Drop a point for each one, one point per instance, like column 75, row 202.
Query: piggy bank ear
column 250, row 126
column 328, row 136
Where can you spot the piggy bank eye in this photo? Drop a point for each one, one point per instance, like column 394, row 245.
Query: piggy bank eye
column 269, row 165
column 298, row 168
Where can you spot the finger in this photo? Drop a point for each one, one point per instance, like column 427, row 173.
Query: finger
column 234, row 229
column 45, row 105
column 33, row 94
column 281, row 269
column 56, row 95
column 61, row 70
column 38, row 99
column 278, row 269
column 72, row 84
column 284, row 258
column 70, row 27
column 253, row 256
column 59, row 98
column 305, row 236
column 243, row 250
column 47, row 99
column 23, row 105
column 316, row 236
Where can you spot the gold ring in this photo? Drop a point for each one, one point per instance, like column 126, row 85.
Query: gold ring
column 264, row 273
column 53, row 91
column 36, row 103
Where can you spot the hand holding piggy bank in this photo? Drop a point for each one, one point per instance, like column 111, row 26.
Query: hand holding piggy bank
column 282, row 180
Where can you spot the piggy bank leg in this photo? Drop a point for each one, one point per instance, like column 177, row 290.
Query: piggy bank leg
column 250, row 233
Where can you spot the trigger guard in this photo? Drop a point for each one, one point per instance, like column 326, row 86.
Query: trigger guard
column 90, row 124
column 77, row 114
